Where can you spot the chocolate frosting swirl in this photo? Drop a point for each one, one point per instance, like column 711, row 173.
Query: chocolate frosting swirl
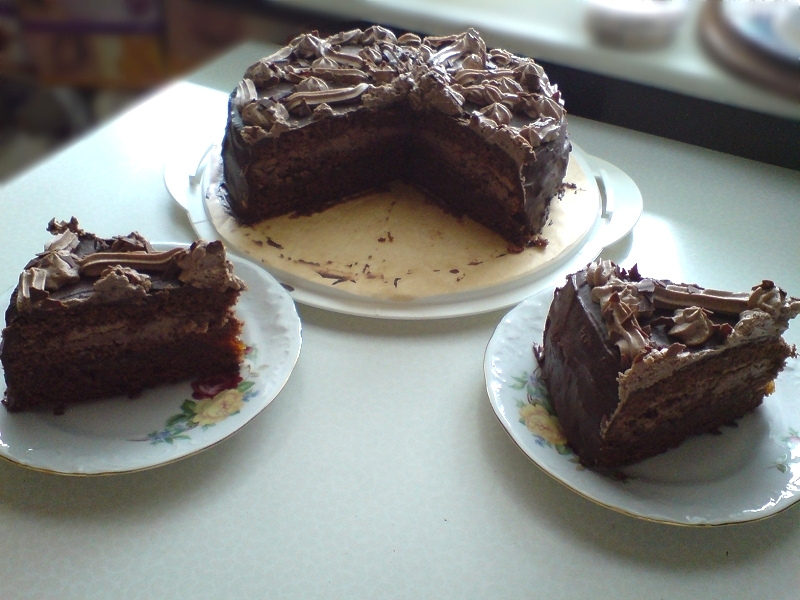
column 78, row 267
column 204, row 265
column 120, row 283
column 357, row 69
column 625, row 298
column 767, row 297
column 692, row 326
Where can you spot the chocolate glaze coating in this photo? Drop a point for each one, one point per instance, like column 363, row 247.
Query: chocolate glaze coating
column 579, row 366
column 616, row 412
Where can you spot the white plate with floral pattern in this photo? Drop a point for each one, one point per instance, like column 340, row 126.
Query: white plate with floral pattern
column 748, row 472
column 168, row 423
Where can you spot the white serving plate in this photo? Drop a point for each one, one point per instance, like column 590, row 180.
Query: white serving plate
column 165, row 424
column 749, row 472
column 187, row 177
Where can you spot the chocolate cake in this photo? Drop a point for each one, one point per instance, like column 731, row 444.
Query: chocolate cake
column 96, row 317
column 321, row 120
column 634, row 365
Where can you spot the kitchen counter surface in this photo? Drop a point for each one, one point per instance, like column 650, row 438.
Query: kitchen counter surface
column 380, row 470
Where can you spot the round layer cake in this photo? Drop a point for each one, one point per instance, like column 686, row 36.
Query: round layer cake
column 482, row 132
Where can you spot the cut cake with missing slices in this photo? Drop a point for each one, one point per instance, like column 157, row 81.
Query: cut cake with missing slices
column 483, row 131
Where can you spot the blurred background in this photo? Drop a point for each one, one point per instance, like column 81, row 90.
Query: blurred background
column 710, row 73
column 69, row 65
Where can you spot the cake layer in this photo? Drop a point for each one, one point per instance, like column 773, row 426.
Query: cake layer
column 55, row 381
column 634, row 366
column 699, row 398
column 320, row 165
column 95, row 317
column 467, row 176
column 156, row 319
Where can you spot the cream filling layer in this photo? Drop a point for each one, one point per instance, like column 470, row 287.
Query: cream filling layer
column 123, row 334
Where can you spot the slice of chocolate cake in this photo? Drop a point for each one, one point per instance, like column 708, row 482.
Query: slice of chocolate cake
column 95, row 317
column 634, row 365
column 323, row 119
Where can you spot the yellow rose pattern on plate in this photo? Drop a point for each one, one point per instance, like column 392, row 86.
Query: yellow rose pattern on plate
column 537, row 414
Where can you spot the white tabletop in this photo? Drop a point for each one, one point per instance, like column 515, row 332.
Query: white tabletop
column 380, row 470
